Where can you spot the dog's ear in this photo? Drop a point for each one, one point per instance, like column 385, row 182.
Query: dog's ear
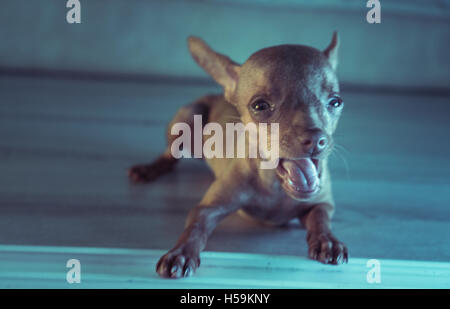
column 331, row 52
column 224, row 71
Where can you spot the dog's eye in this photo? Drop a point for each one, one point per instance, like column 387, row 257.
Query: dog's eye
column 260, row 105
column 335, row 102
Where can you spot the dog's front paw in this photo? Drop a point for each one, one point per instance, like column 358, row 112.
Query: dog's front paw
column 178, row 263
column 325, row 248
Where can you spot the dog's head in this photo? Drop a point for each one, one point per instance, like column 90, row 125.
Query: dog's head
column 293, row 85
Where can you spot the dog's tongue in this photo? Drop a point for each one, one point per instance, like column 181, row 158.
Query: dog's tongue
column 302, row 174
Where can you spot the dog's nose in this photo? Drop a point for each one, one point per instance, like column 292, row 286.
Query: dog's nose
column 314, row 141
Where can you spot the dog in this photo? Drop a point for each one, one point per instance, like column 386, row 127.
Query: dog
column 295, row 86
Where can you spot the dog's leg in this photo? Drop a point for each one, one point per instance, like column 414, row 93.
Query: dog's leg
column 184, row 258
column 166, row 162
column 323, row 246
column 149, row 172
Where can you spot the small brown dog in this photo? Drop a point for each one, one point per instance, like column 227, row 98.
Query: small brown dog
column 292, row 85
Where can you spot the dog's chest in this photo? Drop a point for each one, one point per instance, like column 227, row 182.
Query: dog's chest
column 274, row 206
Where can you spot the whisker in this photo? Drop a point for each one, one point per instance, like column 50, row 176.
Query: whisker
column 341, row 148
column 339, row 155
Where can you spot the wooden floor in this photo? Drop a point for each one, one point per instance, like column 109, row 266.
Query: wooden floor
column 110, row 268
column 65, row 147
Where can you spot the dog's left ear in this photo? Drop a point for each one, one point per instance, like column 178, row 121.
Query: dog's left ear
column 331, row 52
column 224, row 70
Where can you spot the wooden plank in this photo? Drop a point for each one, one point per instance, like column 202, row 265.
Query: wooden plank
column 45, row 267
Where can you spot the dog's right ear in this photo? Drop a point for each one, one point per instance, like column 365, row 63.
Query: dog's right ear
column 331, row 52
column 224, row 71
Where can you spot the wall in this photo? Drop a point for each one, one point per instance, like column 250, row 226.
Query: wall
column 408, row 49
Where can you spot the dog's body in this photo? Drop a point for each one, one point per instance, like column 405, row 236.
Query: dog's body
column 294, row 86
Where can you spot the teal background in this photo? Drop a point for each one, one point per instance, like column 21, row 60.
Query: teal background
column 408, row 49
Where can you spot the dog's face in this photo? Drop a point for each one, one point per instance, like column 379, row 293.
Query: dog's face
column 296, row 87
column 292, row 85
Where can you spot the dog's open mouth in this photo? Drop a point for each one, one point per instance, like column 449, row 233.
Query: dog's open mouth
column 301, row 177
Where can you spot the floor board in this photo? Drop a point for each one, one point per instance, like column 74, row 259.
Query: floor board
column 45, row 267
